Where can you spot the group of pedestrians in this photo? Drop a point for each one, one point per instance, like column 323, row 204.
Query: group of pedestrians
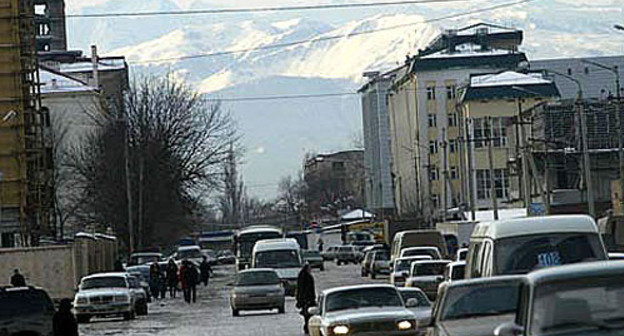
column 186, row 277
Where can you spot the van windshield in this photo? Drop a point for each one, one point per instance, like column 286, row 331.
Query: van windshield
column 519, row 255
column 277, row 259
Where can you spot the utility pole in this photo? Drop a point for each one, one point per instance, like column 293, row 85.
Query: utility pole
column 491, row 164
column 521, row 144
column 471, row 187
column 586, row 162
column 445, row 173
column 126, row 144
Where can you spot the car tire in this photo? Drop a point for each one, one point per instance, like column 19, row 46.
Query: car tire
column 281, row 310
column 83, row 318
column 235, row 312
column 129, row 316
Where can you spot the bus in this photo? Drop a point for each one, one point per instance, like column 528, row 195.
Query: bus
column 245, row 239
column 216, row 240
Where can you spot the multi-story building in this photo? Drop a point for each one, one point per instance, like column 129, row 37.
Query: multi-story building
column 497, row 171
column 334, row 182
column 377, row 168
column 424, row 121
column 50, row 21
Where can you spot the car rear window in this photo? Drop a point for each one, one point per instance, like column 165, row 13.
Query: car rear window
column 484, row 300
column 19, row 303
column 257, row 278
column 429, row 269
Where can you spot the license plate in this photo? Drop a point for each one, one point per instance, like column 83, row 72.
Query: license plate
column 548, row 259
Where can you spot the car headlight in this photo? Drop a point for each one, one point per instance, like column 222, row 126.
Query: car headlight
column 122, row 298
column 340, row 330
column 82, row 300
column 405, row 325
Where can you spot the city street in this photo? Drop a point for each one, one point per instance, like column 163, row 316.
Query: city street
column 212, row 315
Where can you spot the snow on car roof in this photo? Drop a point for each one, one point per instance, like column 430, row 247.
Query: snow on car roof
column 107, row 275
column 189, row 247
column 352, row 287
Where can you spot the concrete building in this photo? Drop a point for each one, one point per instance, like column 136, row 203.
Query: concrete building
column 497, row 173
column 50, row 21
column 595, row 81
column 334, row 182
column 377, row 159
column 424, row 123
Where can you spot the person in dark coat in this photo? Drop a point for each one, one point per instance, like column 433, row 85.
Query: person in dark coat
column 64, row 323
column 306, row 294
column 172, row 278
column 18, row 280
column 154, row 282
column 191, row 279
column 205, row 270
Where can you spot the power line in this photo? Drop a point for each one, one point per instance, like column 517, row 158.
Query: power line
column 261, row 9
column 332, row 37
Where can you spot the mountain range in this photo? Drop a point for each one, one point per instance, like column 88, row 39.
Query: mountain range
column 277, row 133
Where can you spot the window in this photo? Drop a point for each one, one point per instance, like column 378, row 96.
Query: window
column 501, row 183
column 433, row 147
column 450, row 92
column 569, row 72
column 454, row 173
column 586, row 70
column 452, row 144
column 496, row 128
column 435, row 200
column 434, row 174
column 338, row 166
column 432, row 119
column 431, row 93
column 452, row 120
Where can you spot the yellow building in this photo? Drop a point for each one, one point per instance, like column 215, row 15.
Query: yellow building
column 494, row 160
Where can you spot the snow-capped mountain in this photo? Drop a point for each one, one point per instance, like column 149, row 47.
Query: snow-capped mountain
column 278, row 132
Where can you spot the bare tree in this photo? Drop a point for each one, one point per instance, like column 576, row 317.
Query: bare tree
column 176, row 142
column 291, row 196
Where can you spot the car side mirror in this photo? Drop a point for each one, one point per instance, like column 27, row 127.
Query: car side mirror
column 411, row 302
column 314, row 311
column 508, row 329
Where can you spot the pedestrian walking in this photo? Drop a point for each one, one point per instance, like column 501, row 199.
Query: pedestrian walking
column 172, row 278
column 18, row 280
column 64, row 323
column 162, row 283
column 320, row 243
column 306, row 294
column 154, row 282
column 205, row 270
column 191, row 281
column 183, row 277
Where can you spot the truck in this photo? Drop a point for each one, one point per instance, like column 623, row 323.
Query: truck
column 413, row 238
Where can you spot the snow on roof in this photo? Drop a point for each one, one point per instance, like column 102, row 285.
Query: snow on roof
column 357, row 214
column 508, row 78
column 86, row 66
column 57, row 83
column 468, row 51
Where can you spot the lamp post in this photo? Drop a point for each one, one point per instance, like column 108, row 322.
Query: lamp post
column 583, row 135
column 618, row 120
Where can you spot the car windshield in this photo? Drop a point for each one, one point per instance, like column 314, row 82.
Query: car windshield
column 23, row 302
column 415, row 252
column 463, row 254
column 420, row 297
column 428, row 269
column 590, row 303
column 519, row 255
column 457, row 272
column 277, row 259
column 363, row 297
column 104, row 282
column 382, row 256
column 191, row 253
column 311, row 254
column 403, row 265
column 483, row 300
column 257, row 278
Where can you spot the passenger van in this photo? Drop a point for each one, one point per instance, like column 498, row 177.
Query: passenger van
column 520, row 245
column 415, row 238
column 283, row 255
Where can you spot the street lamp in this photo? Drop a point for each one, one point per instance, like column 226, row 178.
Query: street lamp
column 586, row 163
column 618, row 120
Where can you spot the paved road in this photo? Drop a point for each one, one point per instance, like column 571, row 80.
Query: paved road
column 211, row 315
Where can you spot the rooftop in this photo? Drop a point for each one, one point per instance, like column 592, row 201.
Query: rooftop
column 53, row 82
column 602, row 269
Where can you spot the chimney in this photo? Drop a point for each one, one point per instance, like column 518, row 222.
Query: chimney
column 94, row 63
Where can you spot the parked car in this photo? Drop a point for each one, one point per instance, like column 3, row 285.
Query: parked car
column 419, row 305
column 313, row 257
column 431, row 251
column 520, row 245
column 25, row 311
column 380, row 263
column 109, row 294
column 474, row 307
column 366, row 263
column 257, row 289
column 226, row 257
column 462, row 253
column 141, row 258
column 348, row 254
column 402, row 267
column 142, row 273
column 455, row 271
column 578, row 299
column 427, row 275
column 361, row 310
column 211, row 256
column 329, row 253
column 189, row 252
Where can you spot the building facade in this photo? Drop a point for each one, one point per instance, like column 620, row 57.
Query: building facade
column 377, row 158
column 424, row 118
column 50, row 22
